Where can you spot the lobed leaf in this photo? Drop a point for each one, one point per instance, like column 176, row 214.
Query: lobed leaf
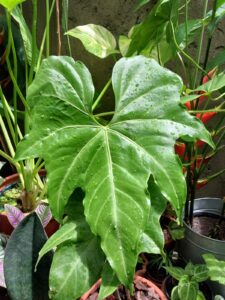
column 112, row 163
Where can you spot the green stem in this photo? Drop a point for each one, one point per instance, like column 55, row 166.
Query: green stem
column 210, row 38
column 58, row 27
column 183, row 52
column 34, row 40
column 109, row 113
column 44, row 38
column 97, row 101
column 47, row 29
column 200, row 41
column 16, row 84
column 9, row 158
column 6, row 136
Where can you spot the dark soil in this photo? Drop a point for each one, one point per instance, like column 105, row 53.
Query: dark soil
column 210, row 226
column 141, row 292
column 3, row 294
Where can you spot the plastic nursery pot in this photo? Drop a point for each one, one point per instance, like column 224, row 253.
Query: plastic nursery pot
column 137, row 278
column 5, row 226
column 194, row 244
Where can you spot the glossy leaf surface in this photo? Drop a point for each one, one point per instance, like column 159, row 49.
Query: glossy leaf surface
column 111, row 163
column 20, row 256
column 96, row 39
column 79, row 260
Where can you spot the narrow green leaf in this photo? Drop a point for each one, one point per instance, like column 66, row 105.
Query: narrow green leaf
column 96, row 39
column 25, row 32
column 66, row 233
column 20, row 257
column 176, row 272
column 216, row 268
column 218, row 60
column 65, row 10
column 141, row 3
column 109, row 283
column 174, row 294
column 10, row 4
column 152, row 239
column 216, row 83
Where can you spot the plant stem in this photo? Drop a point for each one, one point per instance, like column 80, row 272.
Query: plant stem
column 201, row 41
column 109, row 113
column 58, row 27
column 34, row 40
column 44, row 38
column 47, row 29
column 101, row 94
column 6, row 136
column 183, row 52
column 210, row 38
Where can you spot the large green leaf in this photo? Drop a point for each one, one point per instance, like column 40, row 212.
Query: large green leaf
column 10, row 4
column 20, row 257
column 79, row 260
column 111, row 163
column 96, row 39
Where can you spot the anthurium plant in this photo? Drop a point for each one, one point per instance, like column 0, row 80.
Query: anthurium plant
column 116, row 175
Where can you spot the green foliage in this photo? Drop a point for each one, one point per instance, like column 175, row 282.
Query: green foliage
column 136, row 143
column 96, row 39
column 20, row 256
column 188, row 280
column 216, row 268
column 10, row 4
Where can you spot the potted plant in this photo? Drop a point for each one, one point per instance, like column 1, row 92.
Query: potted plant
column 188, row 282
column 109, row 220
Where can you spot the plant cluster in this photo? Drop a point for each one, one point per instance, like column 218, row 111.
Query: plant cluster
column 109, row 179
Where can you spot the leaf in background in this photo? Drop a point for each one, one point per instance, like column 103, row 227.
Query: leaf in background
column 109, row 283
column 21, row 254
column 10, row 4
column 216, row 83
column 187, row 289
column 65, row 10
column 25, row 32
column 141, row 3
column 14, row 215
column 137, row 142
column 216, row 268
column 44, row 213
column 193, row 28
column 217, row 60
column 176, row 272
column 200, row 273
column 96, row 39
column 77, row 263
column 152, row 239
column 219, row 15
column 153, row 29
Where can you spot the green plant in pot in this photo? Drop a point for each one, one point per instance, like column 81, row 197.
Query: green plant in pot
column 126, row 168
column 32, row 215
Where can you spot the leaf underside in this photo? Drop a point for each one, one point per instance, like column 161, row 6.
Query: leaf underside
column 112, row 163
